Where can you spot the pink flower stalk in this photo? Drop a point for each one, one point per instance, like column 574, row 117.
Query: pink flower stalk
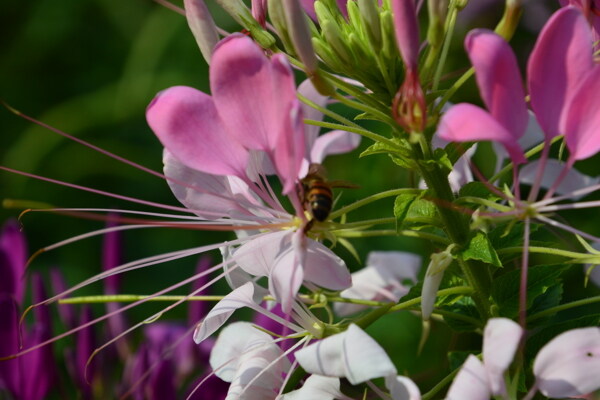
column 227, row 143
column 409, row 107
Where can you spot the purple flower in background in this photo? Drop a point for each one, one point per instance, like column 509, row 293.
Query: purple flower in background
column 31, row 376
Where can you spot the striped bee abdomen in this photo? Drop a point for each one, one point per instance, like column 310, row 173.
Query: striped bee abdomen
column 319, row 198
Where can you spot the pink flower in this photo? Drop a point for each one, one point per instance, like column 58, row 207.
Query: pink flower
column 562, row 84
column 219, row 149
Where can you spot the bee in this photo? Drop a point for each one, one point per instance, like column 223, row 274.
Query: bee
column 316, row 193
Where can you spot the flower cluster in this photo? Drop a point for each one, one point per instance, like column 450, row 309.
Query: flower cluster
column 247, row 158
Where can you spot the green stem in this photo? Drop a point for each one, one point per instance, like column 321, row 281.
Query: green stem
column 130, row 298
column 327, row 111
column 466, row 290
column 363, row 132
column 562, row 307
column 544, row 250
column 356, row 93
column 457, row 228
column 363, row 202
column 392, row 232
column 434, row 390
column 364, row 108
column 445, row 48
column 453, row 89
column 368, row 222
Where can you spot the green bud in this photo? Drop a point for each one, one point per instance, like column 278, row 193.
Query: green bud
column 370, row 19
column 202, row 26
column 300, row 34
column 333, row 35
column 388, row 44
column 437, row 9
column 277, row 17
column 238, row 11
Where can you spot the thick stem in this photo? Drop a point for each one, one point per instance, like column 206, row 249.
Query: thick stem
column 457, row 228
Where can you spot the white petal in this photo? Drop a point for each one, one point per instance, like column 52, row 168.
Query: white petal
column 257, row 256
column 569, row 365
column 233, row 340
column 381, row 280
column 334, row 142
column 324, row 268
column 352, row 354
column 471, row 382
column 573, row 181
column 307, row 89
column 243, row 296
column 500, row 342
column 402, row 388
column 316, row 387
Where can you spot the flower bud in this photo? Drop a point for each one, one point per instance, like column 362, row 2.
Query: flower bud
column 433, row 278
column 300, row 34
column 409, row 108
column 238, row 11
column 438, row 9
column 202, row 26
column 259, row 12
column 370, row 19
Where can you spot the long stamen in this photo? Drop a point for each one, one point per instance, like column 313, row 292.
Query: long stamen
column 96, row 191
column 575, row 193
column 540, row 172
column 574, row 206
column 567, row 228
column 524, row 270
column 106, row 316
column 561, row 177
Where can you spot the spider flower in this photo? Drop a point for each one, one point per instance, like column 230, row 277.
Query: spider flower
column 218, row 151
column 562, row 81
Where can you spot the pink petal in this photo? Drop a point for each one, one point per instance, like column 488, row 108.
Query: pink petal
column 334, row 142
column 186, row 122
column 501, row 339
column 323, row 268
column 253, row 94
column 468, row 123
column 402, row 388
column 406, row 27
column 471, row 382
column 243, row 296
column 561, row 58
column 582, row 124
column 352, row 354
column 289, row 152
column 569, row 365
column 499, row 79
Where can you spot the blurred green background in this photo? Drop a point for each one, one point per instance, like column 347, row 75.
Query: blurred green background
column 89, row 68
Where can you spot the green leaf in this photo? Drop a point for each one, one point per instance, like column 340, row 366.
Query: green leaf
column 456, row 150
column 402, row 205
column 481, row 249
column 442, row 159
column 478, row 189
column 505, row 288
column 506, row 235
column 422, row 208
column 465, row 306
column 550, row 298
column 457, row 358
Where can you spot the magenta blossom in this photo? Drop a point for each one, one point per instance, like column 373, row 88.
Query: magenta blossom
column 563, row 84
column 219, row 149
